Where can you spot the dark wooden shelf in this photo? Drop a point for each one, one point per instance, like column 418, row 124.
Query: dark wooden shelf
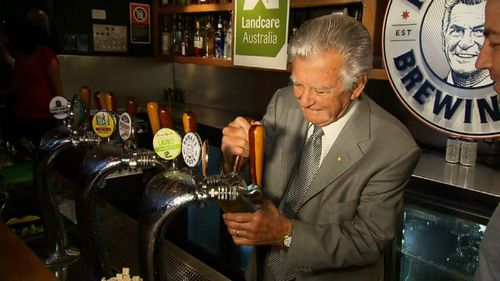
column 201, row 8
column 320, row 3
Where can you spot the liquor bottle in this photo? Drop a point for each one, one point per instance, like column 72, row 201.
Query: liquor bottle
column 294, row 31
column 178, row 36
column 166, row 44
column 209, row 38
column 228, row 41
column 219, row 40
column 198, row 40
column 185, row 46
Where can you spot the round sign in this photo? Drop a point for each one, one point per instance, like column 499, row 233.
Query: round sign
column 167, row 143
column 125, row 127
column 430, row 50
column 103, row 124
column 191, row 149
column 140, row 14
column 58, row 106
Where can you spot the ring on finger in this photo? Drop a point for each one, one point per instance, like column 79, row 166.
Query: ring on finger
column 238, row 233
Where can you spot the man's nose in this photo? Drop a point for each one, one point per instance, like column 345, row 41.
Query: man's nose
column 484, row 59
column 466, row 41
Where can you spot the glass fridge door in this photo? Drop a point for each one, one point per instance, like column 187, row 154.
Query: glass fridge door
column 437, row 246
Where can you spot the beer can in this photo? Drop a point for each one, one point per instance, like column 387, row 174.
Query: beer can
column 453, row 146
column 468, row 152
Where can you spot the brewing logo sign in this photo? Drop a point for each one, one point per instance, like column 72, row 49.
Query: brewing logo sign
column 430, row 49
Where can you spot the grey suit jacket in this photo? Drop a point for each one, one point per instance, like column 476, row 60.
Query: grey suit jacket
column 350, row 211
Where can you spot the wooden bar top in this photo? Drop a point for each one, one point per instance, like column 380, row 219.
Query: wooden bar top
column 18, row 262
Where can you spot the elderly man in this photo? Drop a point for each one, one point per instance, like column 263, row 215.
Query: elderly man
column 335, row 165
column 489, row 59
column 462, row 33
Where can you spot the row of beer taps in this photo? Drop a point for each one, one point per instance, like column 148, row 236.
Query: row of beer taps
column 111, row 146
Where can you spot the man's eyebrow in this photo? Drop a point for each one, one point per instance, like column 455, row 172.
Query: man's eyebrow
column 455, row 27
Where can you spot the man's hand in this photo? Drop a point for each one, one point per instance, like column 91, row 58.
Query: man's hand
column 235, row 141
column 266, row 226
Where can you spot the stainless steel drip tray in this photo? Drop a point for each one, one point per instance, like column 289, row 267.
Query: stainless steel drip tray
column 178, row 265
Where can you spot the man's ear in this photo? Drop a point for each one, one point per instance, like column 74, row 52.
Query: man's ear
column 359, row 87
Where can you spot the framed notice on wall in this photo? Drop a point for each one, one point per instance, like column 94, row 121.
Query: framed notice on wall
column 140, row 23
column 261, row 33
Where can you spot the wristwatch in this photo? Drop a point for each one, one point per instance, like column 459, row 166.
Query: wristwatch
column 287, row 240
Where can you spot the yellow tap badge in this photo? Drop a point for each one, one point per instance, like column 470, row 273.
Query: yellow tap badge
column 103, row 124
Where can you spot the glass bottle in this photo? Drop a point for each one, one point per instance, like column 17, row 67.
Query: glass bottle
column 228, row 41
column 219, row 40
column 198, row 40
column 178, row 36
column 166, row 44
column 209, row 38
column 186, row 45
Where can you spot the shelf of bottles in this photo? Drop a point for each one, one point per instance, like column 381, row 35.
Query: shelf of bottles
column 362, row 10
column 197, row 32
column 201, row 31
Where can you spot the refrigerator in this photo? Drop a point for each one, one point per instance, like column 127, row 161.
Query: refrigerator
column 442, row 223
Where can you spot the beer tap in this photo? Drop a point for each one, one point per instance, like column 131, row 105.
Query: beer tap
column 62, row 138
column 168, row 193
column 191, row 142
column 99, row 163
column 127, row 126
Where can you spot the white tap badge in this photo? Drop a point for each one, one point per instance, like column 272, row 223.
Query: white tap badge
column 430, row 51
column 58, row 106
column 125, row 127
column 191, row 149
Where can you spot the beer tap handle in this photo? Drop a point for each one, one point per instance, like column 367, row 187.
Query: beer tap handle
column 256, row 139
column 110, row 101
column 85, row 97
column 189, row 122
column 238, row 159
column 154, row 120
column 192, row 146
column 165, row 116
column 204, row 158
column 132, row 107
column 100, row 101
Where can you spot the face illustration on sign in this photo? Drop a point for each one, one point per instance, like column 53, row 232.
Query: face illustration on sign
column 430, row 50
column 462, row 34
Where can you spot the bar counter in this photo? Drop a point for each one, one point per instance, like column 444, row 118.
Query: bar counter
column 478, row 178
column 18, row 262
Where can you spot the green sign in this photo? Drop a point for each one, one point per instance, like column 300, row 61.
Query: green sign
column 261, row 32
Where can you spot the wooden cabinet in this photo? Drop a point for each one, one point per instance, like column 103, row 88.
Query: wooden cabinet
column 372, row 14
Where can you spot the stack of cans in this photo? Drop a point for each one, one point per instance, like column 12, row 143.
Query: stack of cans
column 463, row 151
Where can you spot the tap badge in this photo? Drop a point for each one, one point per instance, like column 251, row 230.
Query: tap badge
column 125, row 127
column 58, row 107
column 430, row 48
column 167, row 143
column 191, row 149
column 103, row 124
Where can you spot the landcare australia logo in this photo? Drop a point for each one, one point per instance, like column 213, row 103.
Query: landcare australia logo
column 430, row 50
column 262, row 27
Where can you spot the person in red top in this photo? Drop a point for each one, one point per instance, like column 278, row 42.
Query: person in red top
column 35, row 81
